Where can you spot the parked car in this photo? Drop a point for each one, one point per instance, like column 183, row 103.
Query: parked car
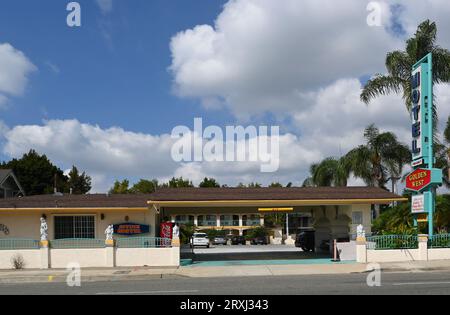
column 259, row 241
column 199, row 239
column 220, row 240
column 306, row 241
column 238, row 240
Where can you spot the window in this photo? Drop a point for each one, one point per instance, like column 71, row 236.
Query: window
column 67, row 227
column 357, row 218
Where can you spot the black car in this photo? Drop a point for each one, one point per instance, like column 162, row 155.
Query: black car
column 238, row 240
column 306, row 241
column 259, row 241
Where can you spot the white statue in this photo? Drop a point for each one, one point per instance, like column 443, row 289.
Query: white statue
column 44, row 230
column 109, row 232
column 176, row 232
column 360, row 232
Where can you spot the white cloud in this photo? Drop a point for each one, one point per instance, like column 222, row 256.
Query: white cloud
column 267, row 55
column 113, row 153
column 333, row 125
column 15, row 69
column 106, row 6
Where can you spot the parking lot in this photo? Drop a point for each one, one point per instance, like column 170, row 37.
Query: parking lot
column 247, row 252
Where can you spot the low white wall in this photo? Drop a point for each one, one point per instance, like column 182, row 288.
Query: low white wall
column 86, row 258
column 31, row 257
column 149, row 257
column 395, row 255
column 439, row 254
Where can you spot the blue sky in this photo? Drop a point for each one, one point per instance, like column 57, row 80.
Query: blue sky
column 112, row 71
column 106, row 96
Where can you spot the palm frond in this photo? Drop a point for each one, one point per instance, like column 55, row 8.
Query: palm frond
column 380, row 85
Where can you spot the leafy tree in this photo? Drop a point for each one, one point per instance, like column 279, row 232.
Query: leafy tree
column 254, row 185
column 399, row 66
column 180, row 183
column 80, row 184
column 329, row 172
column 209, row 183
column 120, row 187
column 144, row 186
column 36, row 173
column 276, row 185
column 380, row 159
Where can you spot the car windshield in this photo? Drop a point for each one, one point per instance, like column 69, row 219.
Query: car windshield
column 200, row 235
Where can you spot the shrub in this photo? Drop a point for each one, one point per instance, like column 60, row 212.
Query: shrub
column 18, row 262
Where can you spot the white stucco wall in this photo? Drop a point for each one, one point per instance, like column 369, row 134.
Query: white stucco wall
column 396, row 255
column 439, row 254
column 32, row 258
column 151, row 257
column 86, row 258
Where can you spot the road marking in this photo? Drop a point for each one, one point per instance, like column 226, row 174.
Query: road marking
column 421, row 283
column 147, row 292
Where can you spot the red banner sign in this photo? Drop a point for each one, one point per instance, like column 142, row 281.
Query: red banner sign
column 166, row 230
column 418, row 180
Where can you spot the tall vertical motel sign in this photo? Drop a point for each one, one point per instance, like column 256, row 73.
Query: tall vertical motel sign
column 424, row 180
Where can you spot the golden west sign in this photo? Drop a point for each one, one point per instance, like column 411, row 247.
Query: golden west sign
column 425, row 178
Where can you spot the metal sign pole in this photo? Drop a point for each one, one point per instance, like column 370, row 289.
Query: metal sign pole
column 424, row 180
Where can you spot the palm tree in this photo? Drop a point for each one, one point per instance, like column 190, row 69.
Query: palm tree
column 329, row 172
column 399, row 66
column 381, row 159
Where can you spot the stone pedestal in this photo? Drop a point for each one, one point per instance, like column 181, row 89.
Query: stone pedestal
column 176, row 242
column 110, row 253
column 423, row 247
column 361, row 250
column 45, row 254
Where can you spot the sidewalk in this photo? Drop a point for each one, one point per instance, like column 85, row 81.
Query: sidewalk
column 123, row 274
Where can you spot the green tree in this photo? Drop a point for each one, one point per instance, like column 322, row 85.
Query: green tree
column 120, row 187
column 276, row 185
column 37, row 174
column 380, row 159
column 179, row 183
column 399, row 66
column 209, row 183
column 144, row 186
column 79, row 183
column 329, row 172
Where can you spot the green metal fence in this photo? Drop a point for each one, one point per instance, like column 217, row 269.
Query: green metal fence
column 77, row 243
column 439, row 241
column 11, row 244
column 143, row 242
column 385, row 242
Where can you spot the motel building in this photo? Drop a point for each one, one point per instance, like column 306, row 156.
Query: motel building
column 75, row 227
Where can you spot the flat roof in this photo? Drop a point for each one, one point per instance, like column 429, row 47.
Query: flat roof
column 307, row 194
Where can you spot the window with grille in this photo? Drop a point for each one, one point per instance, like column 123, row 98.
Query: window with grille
column 67, row 227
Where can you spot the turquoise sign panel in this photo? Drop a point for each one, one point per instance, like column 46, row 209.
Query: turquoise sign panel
column 422, row 114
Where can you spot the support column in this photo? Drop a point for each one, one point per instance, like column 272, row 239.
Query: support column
column 361, row 250
column 261, row 220
column 45, row 254
column 196, row 220
column 110, row 253
column 423, row 247
column 218, row 220
column 240, row 220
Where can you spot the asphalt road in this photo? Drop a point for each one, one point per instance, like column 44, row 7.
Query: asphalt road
column 392, row 283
